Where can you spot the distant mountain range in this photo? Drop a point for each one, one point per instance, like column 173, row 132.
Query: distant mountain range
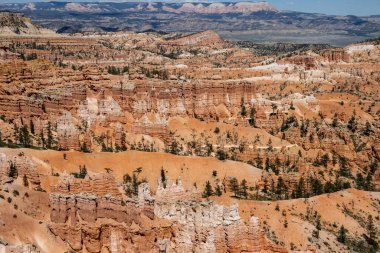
column 185, row 7
column 251, row 21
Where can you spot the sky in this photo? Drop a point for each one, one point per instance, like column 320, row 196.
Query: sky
column 334, row 7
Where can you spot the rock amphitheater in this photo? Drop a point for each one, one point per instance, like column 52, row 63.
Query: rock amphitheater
column 148, row 142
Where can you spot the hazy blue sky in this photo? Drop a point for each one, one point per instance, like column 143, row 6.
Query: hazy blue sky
column 339, row 7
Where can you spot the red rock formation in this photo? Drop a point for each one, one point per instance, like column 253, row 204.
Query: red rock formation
column 207, row 38
column 81, row 216
column 335, row 55
column 25, row 166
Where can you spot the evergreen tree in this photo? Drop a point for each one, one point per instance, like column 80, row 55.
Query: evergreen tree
column 163, row 177
column 265, row 187
column 342, row 236
column 303, row 129
column 25, row 181
column 50, row 138
column 280, row 186
column 244, row 189
column 218, row 190
column 208, row 190
column 277, row 165
column 252, row 115
column 373, row 167
column 329, row 187
column 42, row 139
column 300, row 190
column 267, row 164
column 221, row 155
column 259, row 162
column 352, row 124
column 123, row 142
column 82, row 171
column 135, row 184
column 367, row 129
column 371, row 228
column 128, row 190
column 316, row 186
column 344, row 170
column 368, row 186
column 360, row 181
column 127, row 178
column 24, row 136
column 243, row 111
column 12, row 172
column 325, row 159
column 234, row 186
column 318, row 225
column 32, row 126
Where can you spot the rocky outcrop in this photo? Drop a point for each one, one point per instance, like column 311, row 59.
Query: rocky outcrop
column 336, row 55
column 17, row 24
column 24, row 167
column 68, row 134
column 174, row 220
column 207, row 38
column 209, row 227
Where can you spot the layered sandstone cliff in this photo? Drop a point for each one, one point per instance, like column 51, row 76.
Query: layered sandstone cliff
column 92, row 214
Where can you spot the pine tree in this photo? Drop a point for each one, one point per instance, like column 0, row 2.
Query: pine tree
column 259, row 162
column 367, row 129
column 371, row 228
column 244, row 189
column 12, row 172
column 243, row 110
column 208, row 190
column 163, row 177
column 135, row 184
column 218, row 190
column 325, row 159
column 329, row 187
column 82, row 171
column 267, row 164
column 25, row 181
column 285, row 223
column 265, row 187
column 127, row 178
column 32, row 126
column 24, row 136
column 234, row 186
column 316, row 186
column 344, row 170
column 42, row 139
column 280, row 186
column 352, row 124
column 123, row 142
column 318, row 225
column 252, row 115
column 50, row 139
column 342, row 235
column 300, row 190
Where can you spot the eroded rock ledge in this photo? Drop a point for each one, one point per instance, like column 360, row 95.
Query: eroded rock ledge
column 92, row 215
